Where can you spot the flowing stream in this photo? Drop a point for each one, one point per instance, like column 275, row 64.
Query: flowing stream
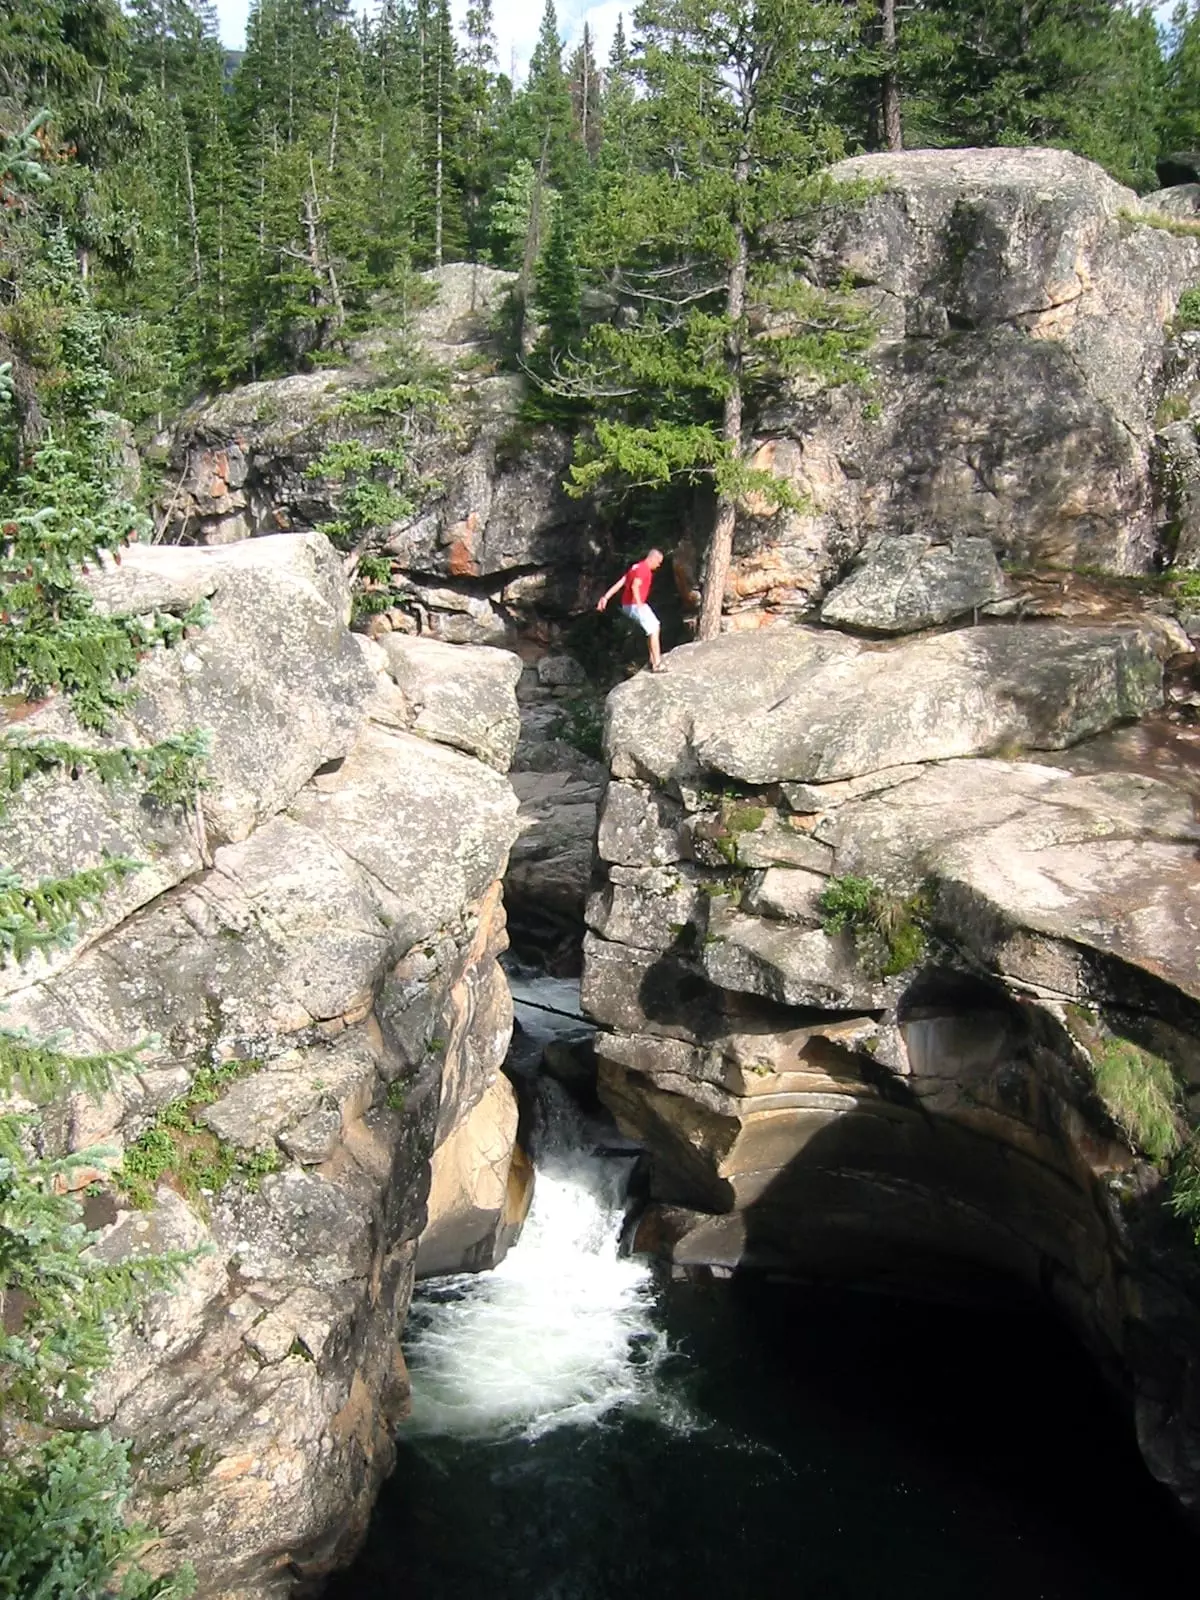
column 583, row 1429
column 560, row 1333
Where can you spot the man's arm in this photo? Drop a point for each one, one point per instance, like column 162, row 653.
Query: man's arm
column 608, row 593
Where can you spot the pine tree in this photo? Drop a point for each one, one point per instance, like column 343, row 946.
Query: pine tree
column 1083, row 74
column 587, row 94
column 1181, row 85
column 708, row 319
column 62, row 1492
column 479, row 98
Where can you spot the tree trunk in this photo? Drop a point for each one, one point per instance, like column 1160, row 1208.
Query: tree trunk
column 523, row 291
column 720, row 549
column 893, row 132
column 193, row 220
column 438, row 167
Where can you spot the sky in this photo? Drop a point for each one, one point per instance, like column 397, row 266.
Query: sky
column 516, row 25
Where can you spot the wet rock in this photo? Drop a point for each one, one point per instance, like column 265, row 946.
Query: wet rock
column 468, row 1227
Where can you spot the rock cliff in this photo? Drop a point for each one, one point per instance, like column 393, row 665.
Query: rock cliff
column 1021, row 304
column 896, row 965
column 490, row 540
column 1021, row 300
column 317, row 1112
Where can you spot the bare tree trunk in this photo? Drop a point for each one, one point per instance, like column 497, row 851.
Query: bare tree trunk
column 893, row 132
column 193, row 220
column 321, row 268
column 533, row 246
column 720, row 549
column 438, row 167
column 333, row 127
column 587, row 88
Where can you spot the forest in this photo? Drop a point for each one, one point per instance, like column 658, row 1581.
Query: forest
column 231, row 219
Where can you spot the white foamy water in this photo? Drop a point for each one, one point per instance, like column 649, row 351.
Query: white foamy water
column 561, row 1332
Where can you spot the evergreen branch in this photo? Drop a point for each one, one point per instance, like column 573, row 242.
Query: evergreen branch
column 35, row 917
column 42, row 1069
column 172, row 769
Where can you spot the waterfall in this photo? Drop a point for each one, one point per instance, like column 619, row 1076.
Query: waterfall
column 562, row 1331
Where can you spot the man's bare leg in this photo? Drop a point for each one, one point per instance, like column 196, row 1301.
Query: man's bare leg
column 655, row 651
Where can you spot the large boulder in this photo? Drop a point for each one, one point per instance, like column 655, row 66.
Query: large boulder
column 1019, row 299
column 910, row 582
column 458, row 695
column 274, row 680
column 810, row 701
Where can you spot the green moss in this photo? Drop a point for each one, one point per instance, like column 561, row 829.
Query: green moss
column 887, row 929
column 397, row 1093
column 741, row 816
column 1185, row 588
column 1140, row 1094
column 179, row 1149
column 1171, row 408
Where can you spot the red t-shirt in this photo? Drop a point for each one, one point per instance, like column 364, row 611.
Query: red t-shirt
column 636, row 589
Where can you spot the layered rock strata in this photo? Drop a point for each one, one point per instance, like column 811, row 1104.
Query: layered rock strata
column 309, row 960
column 925, row 1097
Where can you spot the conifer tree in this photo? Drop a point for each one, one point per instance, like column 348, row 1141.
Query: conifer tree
column 709, row 319
column 587, row 93
column 1082, row 74
column 1181, row 86
column 479, row 96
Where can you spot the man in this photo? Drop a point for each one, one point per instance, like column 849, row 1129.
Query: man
column 635, row 593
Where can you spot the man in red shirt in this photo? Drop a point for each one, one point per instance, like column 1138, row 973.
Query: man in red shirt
column 635, row 593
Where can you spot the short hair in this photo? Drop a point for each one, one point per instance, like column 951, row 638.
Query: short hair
column 655, row 551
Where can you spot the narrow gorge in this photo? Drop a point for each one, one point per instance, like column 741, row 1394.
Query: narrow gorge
column 883, row 905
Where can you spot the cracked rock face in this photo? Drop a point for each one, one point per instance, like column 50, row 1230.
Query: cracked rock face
column 495, row 540
column 1019, row 299
column 324, row 933
column 816, row 1104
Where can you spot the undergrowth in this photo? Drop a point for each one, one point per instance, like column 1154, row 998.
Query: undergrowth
column 580, row 722
column 887, row 929
column 179, row 1148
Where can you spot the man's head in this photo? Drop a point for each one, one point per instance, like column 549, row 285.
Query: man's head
column 654, row 558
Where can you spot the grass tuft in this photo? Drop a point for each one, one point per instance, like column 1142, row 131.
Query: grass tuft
column 1141, row 1095
column 887, row 929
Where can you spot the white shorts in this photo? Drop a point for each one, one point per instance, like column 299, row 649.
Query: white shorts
column 643, row 616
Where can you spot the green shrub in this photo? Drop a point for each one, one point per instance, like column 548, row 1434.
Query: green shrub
column 581, row 723
column 1184, row 1198
column 1187, row 312
column 179, row 1147
column 1140, row 1094
column 62, row 1492
column 887, row 929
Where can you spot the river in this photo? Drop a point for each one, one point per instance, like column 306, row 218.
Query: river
column 585, row 1429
